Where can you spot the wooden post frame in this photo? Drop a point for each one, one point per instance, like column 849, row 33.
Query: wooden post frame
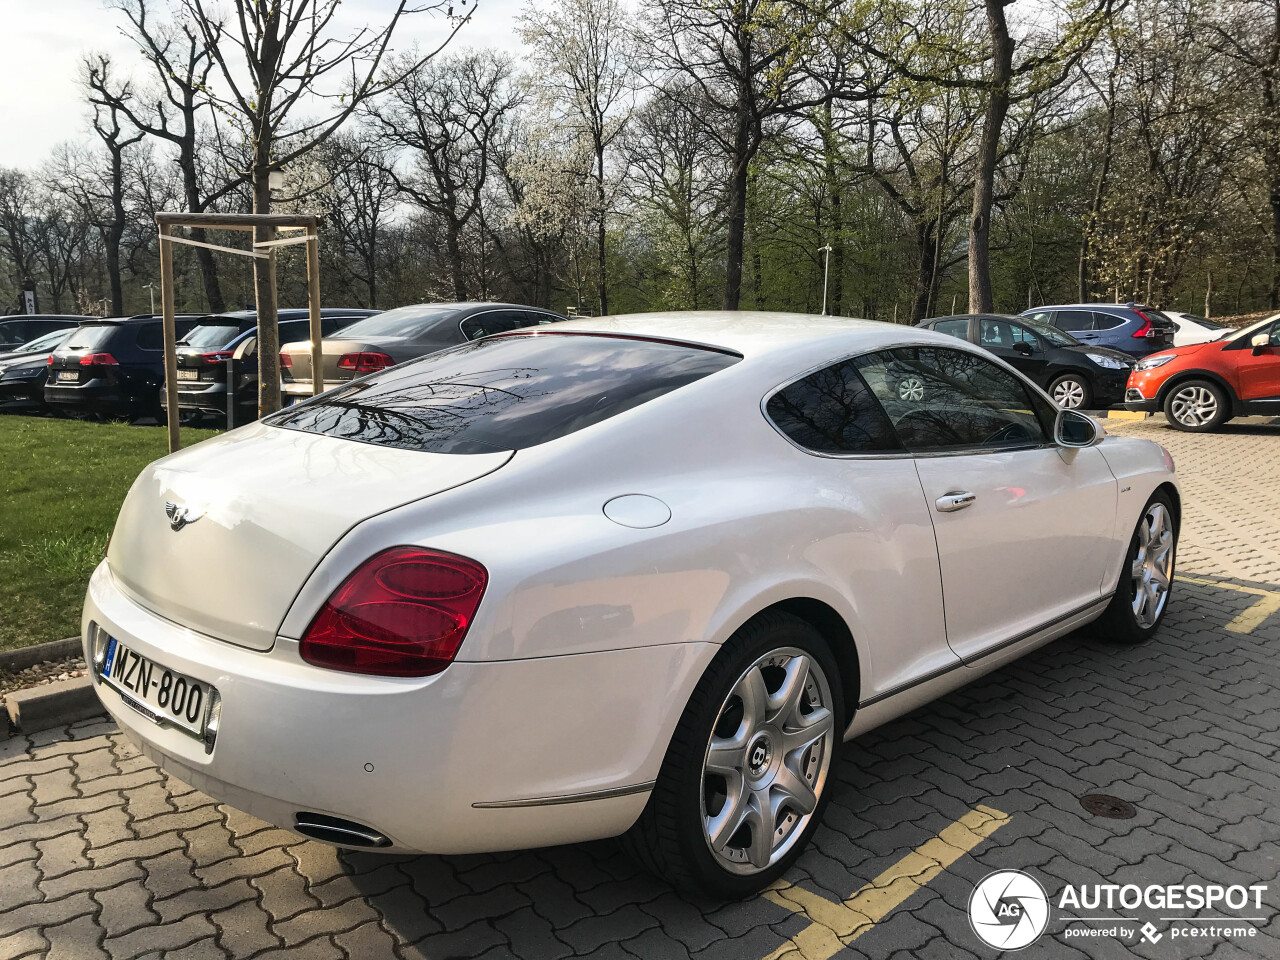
column 265, row 226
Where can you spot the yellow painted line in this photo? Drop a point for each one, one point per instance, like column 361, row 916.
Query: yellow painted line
column 1252, row 618
column 1126, row 415
column 835, row 925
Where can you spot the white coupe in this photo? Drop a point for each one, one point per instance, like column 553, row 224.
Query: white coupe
column 628, row 576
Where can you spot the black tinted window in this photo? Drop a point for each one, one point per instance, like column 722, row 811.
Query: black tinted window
column 958, row 327
column 832, row 411
column 1107, row 321
column 504, row 393
column 150, row 336
column 1072, row 320
column 953, row 400
column 493, row 321
column 88, row 337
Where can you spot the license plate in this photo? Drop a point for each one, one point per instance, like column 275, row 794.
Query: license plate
column 188, row 374
column 159, row 694
column 64, row 375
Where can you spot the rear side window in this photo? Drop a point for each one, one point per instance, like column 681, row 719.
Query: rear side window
column 503, row 393
column 1107, row 321
column 955, row 328
column 833, row 411
column 151, row 336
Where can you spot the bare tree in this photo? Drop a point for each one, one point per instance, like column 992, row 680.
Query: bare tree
column 18, row 203
column 448, row 114
column 278, row 55
column 585, row 51
column 358, row 202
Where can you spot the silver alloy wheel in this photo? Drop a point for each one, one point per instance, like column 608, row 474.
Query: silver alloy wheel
column 911, row 388
column 767, row 760
column 1152, row 569
column 1068, row 393
column 1194, row 405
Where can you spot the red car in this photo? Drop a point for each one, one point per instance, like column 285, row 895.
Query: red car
column 1201, row 386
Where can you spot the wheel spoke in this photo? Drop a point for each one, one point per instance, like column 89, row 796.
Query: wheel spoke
column 722, row 827
column 792, row 789
column 784, row 703
column 761, row 823
column 727, row 757
column 753, row 693
column 817, row 724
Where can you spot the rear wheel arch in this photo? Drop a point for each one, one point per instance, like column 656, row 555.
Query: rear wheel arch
column 833, row 628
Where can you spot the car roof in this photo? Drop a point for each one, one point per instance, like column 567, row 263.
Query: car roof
column 1091, row 306
column 291, row 313
column 752, row 333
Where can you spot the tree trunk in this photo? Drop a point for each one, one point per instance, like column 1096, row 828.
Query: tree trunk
column 601, row 250
column 1273, row 295
column 264, row 282
column 926, row 274
column 195, row 204
column 740, row 163
column 980, row 296
column 453, row 248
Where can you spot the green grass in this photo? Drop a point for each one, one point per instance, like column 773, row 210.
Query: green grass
column 61, row 485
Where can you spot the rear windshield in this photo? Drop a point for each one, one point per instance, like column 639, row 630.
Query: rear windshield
column 89, row 336
column 404, row 322
column 211, row 335
column 503, row 393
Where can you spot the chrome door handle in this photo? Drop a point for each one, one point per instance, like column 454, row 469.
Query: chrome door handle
column 951, row 502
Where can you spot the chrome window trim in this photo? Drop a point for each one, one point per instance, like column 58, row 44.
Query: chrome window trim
column 481, row 313
column 907, row 454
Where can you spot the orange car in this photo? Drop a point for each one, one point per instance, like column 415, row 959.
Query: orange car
column 1201, row 386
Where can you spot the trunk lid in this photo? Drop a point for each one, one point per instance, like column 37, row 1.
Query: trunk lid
column 263, row 506
column 333, row 351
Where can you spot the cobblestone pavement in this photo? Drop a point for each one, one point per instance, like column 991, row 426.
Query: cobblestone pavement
column 102, row 855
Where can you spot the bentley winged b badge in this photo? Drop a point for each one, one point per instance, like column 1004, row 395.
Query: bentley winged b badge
column 180, row 516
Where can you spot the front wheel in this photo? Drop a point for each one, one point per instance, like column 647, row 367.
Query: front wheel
column 1142, row 595
column 745, row 779
column 1197, row 406
column 1071, row 391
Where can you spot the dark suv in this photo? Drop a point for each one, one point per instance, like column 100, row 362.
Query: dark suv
column 1136, row 329
column 203, row 356
column 111, row 368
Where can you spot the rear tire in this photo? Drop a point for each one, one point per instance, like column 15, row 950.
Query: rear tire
column 1146, row 579
column 1071, row 391
column 746, row 777
column 1197, row 406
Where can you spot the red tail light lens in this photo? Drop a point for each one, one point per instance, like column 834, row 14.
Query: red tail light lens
column 98, row 360
column 217, row 356
column 364, row 362
column 286, row 362
column 1145, row 330
column 403, row 613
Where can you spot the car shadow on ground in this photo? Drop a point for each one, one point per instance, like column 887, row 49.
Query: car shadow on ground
column 1171, row 726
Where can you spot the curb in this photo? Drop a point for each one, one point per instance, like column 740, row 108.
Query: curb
column 14, row 660
column 53, row 705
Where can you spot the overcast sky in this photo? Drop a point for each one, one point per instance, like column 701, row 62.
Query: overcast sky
column 41, row 103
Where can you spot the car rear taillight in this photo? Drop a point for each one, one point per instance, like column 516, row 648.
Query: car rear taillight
column 286, row 362
column 218, row 356
column 1146, row 330
column 364, row 362
column 403, row 613
column 49, row 361
column 98, row 360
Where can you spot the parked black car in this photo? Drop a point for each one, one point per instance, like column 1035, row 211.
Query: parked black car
column 405, row 333
column 111, row 368
column 1075, row 374
column 1132, row 328
column 204, row 352
column 17, row 330
column 23, row 372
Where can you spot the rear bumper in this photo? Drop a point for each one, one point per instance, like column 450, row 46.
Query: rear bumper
column 210, row 397
column 437, row 764
column 96, row 396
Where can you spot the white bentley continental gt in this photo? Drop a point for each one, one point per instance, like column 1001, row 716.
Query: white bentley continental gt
column 631, row 576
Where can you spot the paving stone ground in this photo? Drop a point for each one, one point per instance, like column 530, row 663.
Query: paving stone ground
column 103, row 856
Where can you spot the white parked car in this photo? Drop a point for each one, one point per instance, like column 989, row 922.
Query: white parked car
column 632, row 576
column 1192, row 329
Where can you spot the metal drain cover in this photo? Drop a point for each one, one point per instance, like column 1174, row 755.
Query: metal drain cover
column 1103, row 805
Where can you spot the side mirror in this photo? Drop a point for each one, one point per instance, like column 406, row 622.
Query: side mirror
column 1259, row 343
column 1074, row 429
column 1023, row 348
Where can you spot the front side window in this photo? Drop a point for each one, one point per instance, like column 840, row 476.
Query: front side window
column 833, row 411
column 503, row 393
column 493, row 321
column 943, row 400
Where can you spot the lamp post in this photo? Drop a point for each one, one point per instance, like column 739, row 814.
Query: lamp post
column 826, row 269
column 152, row 288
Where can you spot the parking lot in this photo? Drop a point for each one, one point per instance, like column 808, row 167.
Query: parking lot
column 101, row 855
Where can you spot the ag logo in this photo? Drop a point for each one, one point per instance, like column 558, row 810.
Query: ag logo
column 1008, row 910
